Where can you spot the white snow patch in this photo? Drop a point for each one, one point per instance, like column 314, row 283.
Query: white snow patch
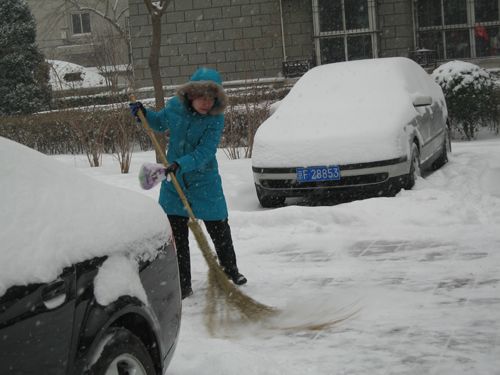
column 461, row 74
column 54, row 216
column 118, row 276
column 421, row 266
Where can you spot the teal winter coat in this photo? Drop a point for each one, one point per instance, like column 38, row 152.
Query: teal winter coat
column 193, row 144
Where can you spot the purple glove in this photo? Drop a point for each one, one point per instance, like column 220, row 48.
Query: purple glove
column 151, row 174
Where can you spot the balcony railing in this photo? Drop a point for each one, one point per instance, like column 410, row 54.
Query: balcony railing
column 427, row 58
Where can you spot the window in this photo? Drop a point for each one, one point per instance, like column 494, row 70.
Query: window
column 344, row 30
column 459, row 28
column 73, row 77
column 81, row 23
column 486, row 11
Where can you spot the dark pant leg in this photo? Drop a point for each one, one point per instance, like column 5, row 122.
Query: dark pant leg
column 220, row 232
column 180, row 231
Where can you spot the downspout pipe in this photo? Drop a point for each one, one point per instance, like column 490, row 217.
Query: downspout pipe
column 414, row 25
column 282, row 32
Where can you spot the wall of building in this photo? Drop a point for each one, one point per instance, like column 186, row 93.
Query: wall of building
column 298, row 26
column 243, row 38
column 55, row 37
column 240, row 38
column 395, row 22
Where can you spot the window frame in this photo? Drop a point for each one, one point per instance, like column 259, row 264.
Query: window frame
column 469, row 26
column 344, row 34
column 79, row 15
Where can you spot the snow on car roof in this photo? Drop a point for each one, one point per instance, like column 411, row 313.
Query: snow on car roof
column 87, row 77
column 53, row 216
column 344, row 112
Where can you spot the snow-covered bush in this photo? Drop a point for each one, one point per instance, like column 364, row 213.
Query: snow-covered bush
column 470, row 96
column 23, row 73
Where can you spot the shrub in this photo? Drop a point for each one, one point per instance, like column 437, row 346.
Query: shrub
column 91, row 132
column 470, row 96
column 90, row 129
column 95, row 130
column 48, row 133
column 247, row 109
column 24, row 75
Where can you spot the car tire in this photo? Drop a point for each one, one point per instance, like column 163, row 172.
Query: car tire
column 123, row 352
column 414, row 167
column 269, row 201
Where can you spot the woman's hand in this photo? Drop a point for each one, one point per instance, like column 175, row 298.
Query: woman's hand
column 135, row 107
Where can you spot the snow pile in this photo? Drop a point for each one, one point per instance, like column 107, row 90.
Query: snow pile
column 54, row 216
column 456, row 75
column 118, row 276
column 63, row 75
column 345, row 113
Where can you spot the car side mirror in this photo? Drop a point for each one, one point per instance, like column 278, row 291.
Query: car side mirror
column 422, row 100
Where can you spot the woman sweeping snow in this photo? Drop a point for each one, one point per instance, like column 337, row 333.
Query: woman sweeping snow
column 195, row 120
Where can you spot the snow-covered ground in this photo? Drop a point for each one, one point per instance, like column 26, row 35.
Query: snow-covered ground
column 422, row 268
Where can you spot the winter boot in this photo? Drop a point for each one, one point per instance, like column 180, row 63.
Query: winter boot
column 238, row 278
column 186, row 292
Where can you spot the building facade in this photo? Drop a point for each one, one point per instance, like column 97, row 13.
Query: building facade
column 262, row 38
column 247, row 39
column 75, row 34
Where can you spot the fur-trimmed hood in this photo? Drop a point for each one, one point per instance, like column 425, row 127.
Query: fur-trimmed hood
column 204, row 81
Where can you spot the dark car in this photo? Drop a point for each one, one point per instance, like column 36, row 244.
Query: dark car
column 51, row 321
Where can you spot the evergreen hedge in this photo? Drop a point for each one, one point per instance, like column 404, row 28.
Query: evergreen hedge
column 24, row 75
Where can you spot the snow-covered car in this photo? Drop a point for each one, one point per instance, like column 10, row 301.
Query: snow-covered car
column 88, row 273
column 361, row 128
column 69, row 76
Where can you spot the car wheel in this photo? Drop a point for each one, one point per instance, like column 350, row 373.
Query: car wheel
column 269, row 201
column 123, row 353
column 414, row 171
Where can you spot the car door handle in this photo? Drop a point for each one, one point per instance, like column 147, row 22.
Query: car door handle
column 54, row 294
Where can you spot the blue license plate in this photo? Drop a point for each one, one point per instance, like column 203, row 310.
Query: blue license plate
column 321, row 173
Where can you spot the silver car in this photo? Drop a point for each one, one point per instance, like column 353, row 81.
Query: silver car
column 352, row 129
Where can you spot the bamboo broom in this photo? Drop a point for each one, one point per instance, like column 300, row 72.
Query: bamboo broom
column 218, row 282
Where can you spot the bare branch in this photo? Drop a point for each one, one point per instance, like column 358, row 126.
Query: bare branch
column 149, row 5
column 121, row 14
column 163, row 5
column 113, row 22
column 157, row 7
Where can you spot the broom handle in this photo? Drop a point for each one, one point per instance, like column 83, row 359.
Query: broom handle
column 164, row 160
